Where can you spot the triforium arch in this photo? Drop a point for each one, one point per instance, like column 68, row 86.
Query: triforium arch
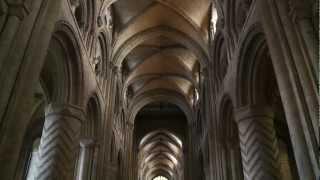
column 221, row 56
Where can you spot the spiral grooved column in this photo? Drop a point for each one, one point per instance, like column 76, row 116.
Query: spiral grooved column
column 59, row 142
column 259, row 149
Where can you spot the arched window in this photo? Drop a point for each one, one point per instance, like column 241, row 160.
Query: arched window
column 160, row 178
column 33, row 158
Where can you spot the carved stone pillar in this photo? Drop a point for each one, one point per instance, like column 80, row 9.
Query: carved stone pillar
column 59, row 142
column 259, row 149
column 87, row 159
column 296, row 87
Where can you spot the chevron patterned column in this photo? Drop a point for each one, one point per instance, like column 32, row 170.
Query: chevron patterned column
column 259, row 148
column 59, row 142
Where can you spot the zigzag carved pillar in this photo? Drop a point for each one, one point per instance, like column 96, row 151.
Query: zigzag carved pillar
column 259, row 148
column 59, row 142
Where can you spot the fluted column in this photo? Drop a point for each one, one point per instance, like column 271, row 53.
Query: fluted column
column 87, row 159
column 59, row 142
column 259, row 149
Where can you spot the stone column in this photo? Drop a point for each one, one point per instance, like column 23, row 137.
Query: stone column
column 259, row 148
column 234, row 157
column 59, row 142
column 86, row 161
column 24, row 40
column 128, row 166
column 294, row 85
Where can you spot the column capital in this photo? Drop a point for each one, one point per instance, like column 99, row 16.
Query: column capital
column 87, row 142
column 65, row 110
column 247, row 112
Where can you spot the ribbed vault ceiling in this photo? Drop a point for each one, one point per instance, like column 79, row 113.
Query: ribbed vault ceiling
column 161, row 45
column 160, row 153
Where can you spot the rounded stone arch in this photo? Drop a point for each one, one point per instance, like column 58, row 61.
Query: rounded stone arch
column 156, row 96
column 220, row 56
column 121, row 52
column 226, row 119
column 62, row 73
column 250, row 57
column 90, row 128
